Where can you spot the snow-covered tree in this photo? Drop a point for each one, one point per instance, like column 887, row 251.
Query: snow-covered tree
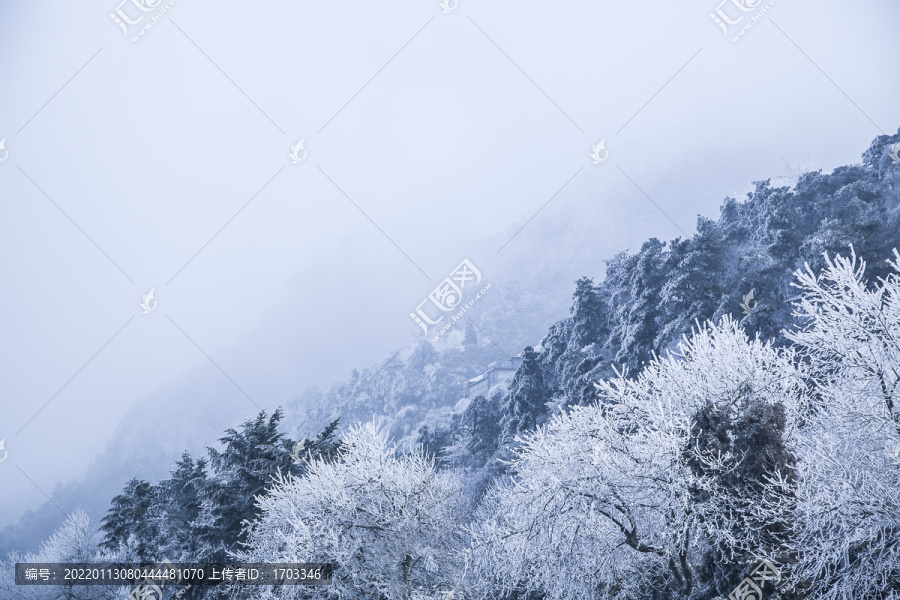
column 477, row 432
column 618, row 497
column 847, row 530
column 389, row 522
column 244, row 468
column 176, row 508
column 76, row 541
column 476, row 444
column 525, row 403
column 128, row 530
column 589, row 318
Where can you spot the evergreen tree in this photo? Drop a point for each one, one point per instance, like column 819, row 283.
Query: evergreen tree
column 482, row 417
column 178, row 505
column 651, row 298
column 244, row 468
column 524, row 404
column 590, row 321
column 474, row 444
column 633, row 289
column 753, row 438
column 128, row 530
column 433, row 441
column 589, row 330
column 325, row 446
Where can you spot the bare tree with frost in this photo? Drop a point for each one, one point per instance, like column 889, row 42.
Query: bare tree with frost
column 847, row 531
column 76, row 541
column 390, row 522
column 610, row 497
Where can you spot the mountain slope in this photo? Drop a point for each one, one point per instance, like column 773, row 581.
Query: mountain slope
column 650, row 299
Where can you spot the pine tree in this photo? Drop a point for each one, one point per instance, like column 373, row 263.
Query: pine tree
column 590, row 319
column 433, row 441
column 178, row 505
column 128, row 529
column 482, row 417
column 589, row 331
column 525, row 402
column 325, row 446
column 251, row 458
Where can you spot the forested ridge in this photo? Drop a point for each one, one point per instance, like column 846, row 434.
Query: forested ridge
column 664, row 439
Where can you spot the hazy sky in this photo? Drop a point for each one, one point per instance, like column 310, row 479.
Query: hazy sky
column 431, row 137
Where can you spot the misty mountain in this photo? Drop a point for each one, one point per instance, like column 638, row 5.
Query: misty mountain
column 650, row 299
column 193, row 410
column 645, row 303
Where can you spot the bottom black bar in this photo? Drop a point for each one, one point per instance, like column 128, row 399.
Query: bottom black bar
column 168, row 573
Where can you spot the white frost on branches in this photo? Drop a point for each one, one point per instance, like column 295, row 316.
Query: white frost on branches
column 389, row 522
column 847, row 534
column 578, row 527
column 730, row 448
column 74, row 542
